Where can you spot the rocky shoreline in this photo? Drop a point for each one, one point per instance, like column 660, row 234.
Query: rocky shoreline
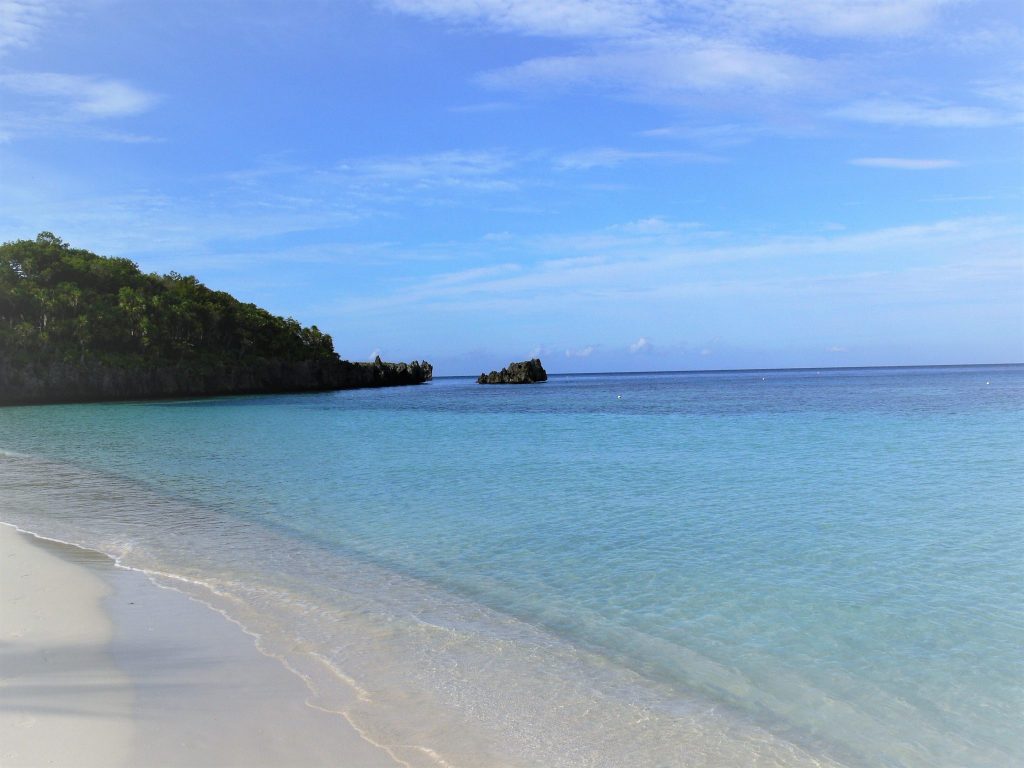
column 41, row 383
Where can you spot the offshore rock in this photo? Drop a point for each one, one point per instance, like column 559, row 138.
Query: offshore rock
column 526, row 372
column 69, row 382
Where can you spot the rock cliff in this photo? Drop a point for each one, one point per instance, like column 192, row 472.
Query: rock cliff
column 59, row 382
column 526, row 372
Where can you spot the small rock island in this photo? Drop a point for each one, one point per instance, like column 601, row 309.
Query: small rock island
column 78, row 327
column 526, row 372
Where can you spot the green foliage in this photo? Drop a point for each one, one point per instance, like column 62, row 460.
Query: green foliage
column 63, row 303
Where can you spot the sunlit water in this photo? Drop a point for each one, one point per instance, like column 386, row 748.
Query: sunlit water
column 770, row 568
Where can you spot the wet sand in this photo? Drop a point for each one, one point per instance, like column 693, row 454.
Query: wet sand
column 101, row 667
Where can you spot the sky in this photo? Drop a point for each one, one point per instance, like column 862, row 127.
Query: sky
column 611, row 185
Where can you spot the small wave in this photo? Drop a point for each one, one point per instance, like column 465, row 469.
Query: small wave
column 7, row 453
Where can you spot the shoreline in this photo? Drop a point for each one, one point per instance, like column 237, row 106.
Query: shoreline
column 171, row 723
column 67, row 384
column 395, row 662
column 102, row 666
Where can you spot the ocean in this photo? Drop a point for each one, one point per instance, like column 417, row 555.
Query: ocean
column 806, row 567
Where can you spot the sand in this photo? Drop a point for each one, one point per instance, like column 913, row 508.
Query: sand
column 101, row 667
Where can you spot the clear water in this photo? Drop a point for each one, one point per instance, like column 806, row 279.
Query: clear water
column 754, row 568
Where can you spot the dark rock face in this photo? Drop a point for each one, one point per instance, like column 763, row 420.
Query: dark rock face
column 526, row 372
column 40, row 383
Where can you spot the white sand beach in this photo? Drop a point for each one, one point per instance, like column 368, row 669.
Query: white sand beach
column 101, row 667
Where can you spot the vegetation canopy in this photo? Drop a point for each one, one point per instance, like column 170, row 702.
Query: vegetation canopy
column 64, row 304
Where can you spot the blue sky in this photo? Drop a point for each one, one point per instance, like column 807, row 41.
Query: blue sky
column 613, row 184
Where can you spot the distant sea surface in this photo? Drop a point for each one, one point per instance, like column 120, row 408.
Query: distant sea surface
column 681, row 569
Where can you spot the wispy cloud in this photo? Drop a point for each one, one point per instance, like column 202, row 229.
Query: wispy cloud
column 484, row 107
column 610, row 157
column 378, row 185
column 91, row 96
column 651, row 271
column 622, row 18
column 738, row 55
column 40, row 103
column 922, row 113
column 582, row 352
column 904, row 163
column 178, row 232
column 645, row 49
column 721, row 135
column 22, row 22
column 643, row 344
column 1008, row 92
column 261, row 209
column 449, row 168
column 554, row 18
column 835, row 18
column 653, row 225
column 661, row 69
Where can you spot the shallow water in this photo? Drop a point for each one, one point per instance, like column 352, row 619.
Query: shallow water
column 775, row 568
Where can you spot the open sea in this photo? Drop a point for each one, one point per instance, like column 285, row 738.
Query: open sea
column 778, row 568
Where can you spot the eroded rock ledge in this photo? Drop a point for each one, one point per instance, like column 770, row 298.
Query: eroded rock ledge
column 39, row 383
column 526, row 372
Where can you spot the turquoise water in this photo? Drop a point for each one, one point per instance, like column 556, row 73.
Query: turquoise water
column 779, row 568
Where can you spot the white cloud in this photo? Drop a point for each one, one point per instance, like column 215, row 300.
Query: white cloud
column 678, row 51
column 92, row 96
column 836, row 349
column 1007, row 92
column 652, row 225
column 582, row 352
column 554, row 18
column 48, row 103
column 836, row 18
column 922, row 113
column 486, row 106
column 983, row 251
column 904, row 163
column 722, row 135
column 479, row 170
column 440, row 164
column 663, row 69
column 126, row 138
column 22, row 21
column 643, row 344
column 621, row 18
column 277, row 196
column 609, row 157
column 542, row 350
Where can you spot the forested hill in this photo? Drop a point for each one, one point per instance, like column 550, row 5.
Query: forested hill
column 77, row 326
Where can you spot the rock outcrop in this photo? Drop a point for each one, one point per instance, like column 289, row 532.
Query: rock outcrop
column 526, row 372
column 58, row 382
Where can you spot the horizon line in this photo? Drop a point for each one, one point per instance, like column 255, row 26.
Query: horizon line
column 762, row 370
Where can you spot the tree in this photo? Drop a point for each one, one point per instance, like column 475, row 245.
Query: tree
column 62, row 303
